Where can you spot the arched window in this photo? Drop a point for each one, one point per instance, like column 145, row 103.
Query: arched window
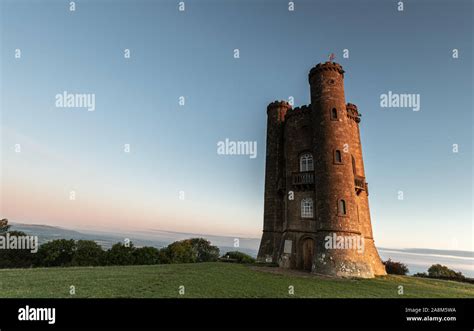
column 306, row 162
column 334, row 114
column 337, row 156
column 341, row 207
column 307, row 208
column 353, row 165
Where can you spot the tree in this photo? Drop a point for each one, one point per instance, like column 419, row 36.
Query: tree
column 181, row 252
column 4, row 227
column 120, row 254
column 88, row 253
column 204, row 250
column 190, row 251
column 164, row 256
column 56, row 253
column 146, row 255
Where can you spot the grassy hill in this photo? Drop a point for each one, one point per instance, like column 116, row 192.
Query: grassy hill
column 211, row 280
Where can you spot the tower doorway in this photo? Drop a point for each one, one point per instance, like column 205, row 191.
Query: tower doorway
column 308, row 253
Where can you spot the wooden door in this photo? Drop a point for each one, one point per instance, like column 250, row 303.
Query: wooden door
column 308, row 251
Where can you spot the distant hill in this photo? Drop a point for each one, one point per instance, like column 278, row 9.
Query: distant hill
column 429, row 251
column 154, row 238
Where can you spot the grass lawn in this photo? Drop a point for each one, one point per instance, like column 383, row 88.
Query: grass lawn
column 212, row 280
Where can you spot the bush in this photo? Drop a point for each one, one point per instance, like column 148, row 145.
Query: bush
column 88, row 253
column 56, row 253
column 238, row 257
column 439, row 271
column 395, row 268
column 443, row 272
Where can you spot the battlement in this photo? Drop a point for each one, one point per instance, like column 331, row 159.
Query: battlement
column 278, row 104
column 298, row 111
column 281, row 107
column 352, row 112
column 351, row 106
column 326, row 66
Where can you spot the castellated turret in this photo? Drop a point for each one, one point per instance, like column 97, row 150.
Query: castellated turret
column 316, row 211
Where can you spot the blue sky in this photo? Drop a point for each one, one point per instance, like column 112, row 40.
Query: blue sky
column 173, row 148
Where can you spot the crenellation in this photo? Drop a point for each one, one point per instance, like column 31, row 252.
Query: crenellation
column 298, row 111
column 352, row 112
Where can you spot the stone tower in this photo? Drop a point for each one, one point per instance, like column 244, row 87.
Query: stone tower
column 316, row 210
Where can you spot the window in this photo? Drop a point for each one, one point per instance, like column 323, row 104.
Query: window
column 341, row 207
column 337, row 156
column 334, row 114
column 353, row 165
column 306, row 162
column 307, row 208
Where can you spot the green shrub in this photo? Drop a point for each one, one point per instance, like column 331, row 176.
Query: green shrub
column 238, row 257
column 443, row 272
column 439, row 271
column 395, row 268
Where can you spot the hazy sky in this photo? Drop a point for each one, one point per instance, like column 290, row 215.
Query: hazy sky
column 174, row 148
